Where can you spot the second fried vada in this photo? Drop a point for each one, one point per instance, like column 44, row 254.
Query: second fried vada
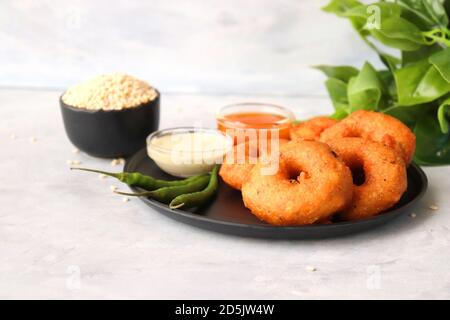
column 382, row 176
column 375, row 126
column 312, row 128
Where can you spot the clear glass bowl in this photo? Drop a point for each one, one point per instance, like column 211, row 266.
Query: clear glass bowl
column 270, row 116
column 187, row 151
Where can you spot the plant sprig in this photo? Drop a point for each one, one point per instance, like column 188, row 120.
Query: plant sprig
column 415, row 85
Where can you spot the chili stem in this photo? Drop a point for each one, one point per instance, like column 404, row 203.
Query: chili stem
column 111, row 174
column 137, row 194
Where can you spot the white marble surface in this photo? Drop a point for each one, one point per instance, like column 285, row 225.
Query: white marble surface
column 65, row 235
column 219, row 46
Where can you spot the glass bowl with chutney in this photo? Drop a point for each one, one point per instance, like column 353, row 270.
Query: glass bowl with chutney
column 253, row 119
column 187, row 151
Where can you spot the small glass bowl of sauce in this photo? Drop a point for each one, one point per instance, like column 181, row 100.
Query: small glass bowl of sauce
column 254, row 118
column 188, row 151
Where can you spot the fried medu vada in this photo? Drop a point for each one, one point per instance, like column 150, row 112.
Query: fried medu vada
column 311, row 129
column 235, row 169
column 379, row 174
column 311, row 184
column 377, row 127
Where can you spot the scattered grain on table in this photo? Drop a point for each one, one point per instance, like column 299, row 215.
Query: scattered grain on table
column 311, row 268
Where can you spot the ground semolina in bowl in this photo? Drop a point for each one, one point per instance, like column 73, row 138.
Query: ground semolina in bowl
column 110, row 92
column 110, row 116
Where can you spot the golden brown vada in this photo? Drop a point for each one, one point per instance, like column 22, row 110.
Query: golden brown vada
column 382, row 176
column 311, row 129
column 375, row 126
column 311, row 184
column 240, row 161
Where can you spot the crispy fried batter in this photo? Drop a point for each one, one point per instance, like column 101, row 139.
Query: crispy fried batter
column 312, row 128
column 238, row 164
column 384, row 177
column 311, row 184
column 378, row 127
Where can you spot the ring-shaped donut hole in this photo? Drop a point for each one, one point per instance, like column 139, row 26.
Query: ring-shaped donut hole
column 356, row 166
column 296, row 175
column 358, row 174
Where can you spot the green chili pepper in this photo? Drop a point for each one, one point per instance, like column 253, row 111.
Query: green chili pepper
column 167, row 194
column 196, row 199
column 139, row 180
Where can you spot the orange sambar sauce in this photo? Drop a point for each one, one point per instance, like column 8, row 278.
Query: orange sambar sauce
column 255, row 120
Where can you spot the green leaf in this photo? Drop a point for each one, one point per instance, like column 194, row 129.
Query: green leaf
column 436, row 11
column 414, row 11
column 399, row 33
column 443, row 112
column 385, row 9
column 337, row 89
column 365, row 90
column 447, row 8
column 430, row 12
column 367, row 17
column 433, row 147
column 343, row 73
column 339, row 114
column 389, row 61
column 441, row 61
column 387, row 78
column 340, row 7
column 409, row 115
column 359, row 24
column 419, row 82
column 424, row 52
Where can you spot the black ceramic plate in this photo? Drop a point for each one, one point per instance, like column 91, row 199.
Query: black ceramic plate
column 227, row 214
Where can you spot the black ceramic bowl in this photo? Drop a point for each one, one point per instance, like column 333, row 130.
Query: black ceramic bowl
column 110, row 134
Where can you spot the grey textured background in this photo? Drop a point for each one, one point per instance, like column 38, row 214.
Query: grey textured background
column 213, row 46
column 66, row 235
